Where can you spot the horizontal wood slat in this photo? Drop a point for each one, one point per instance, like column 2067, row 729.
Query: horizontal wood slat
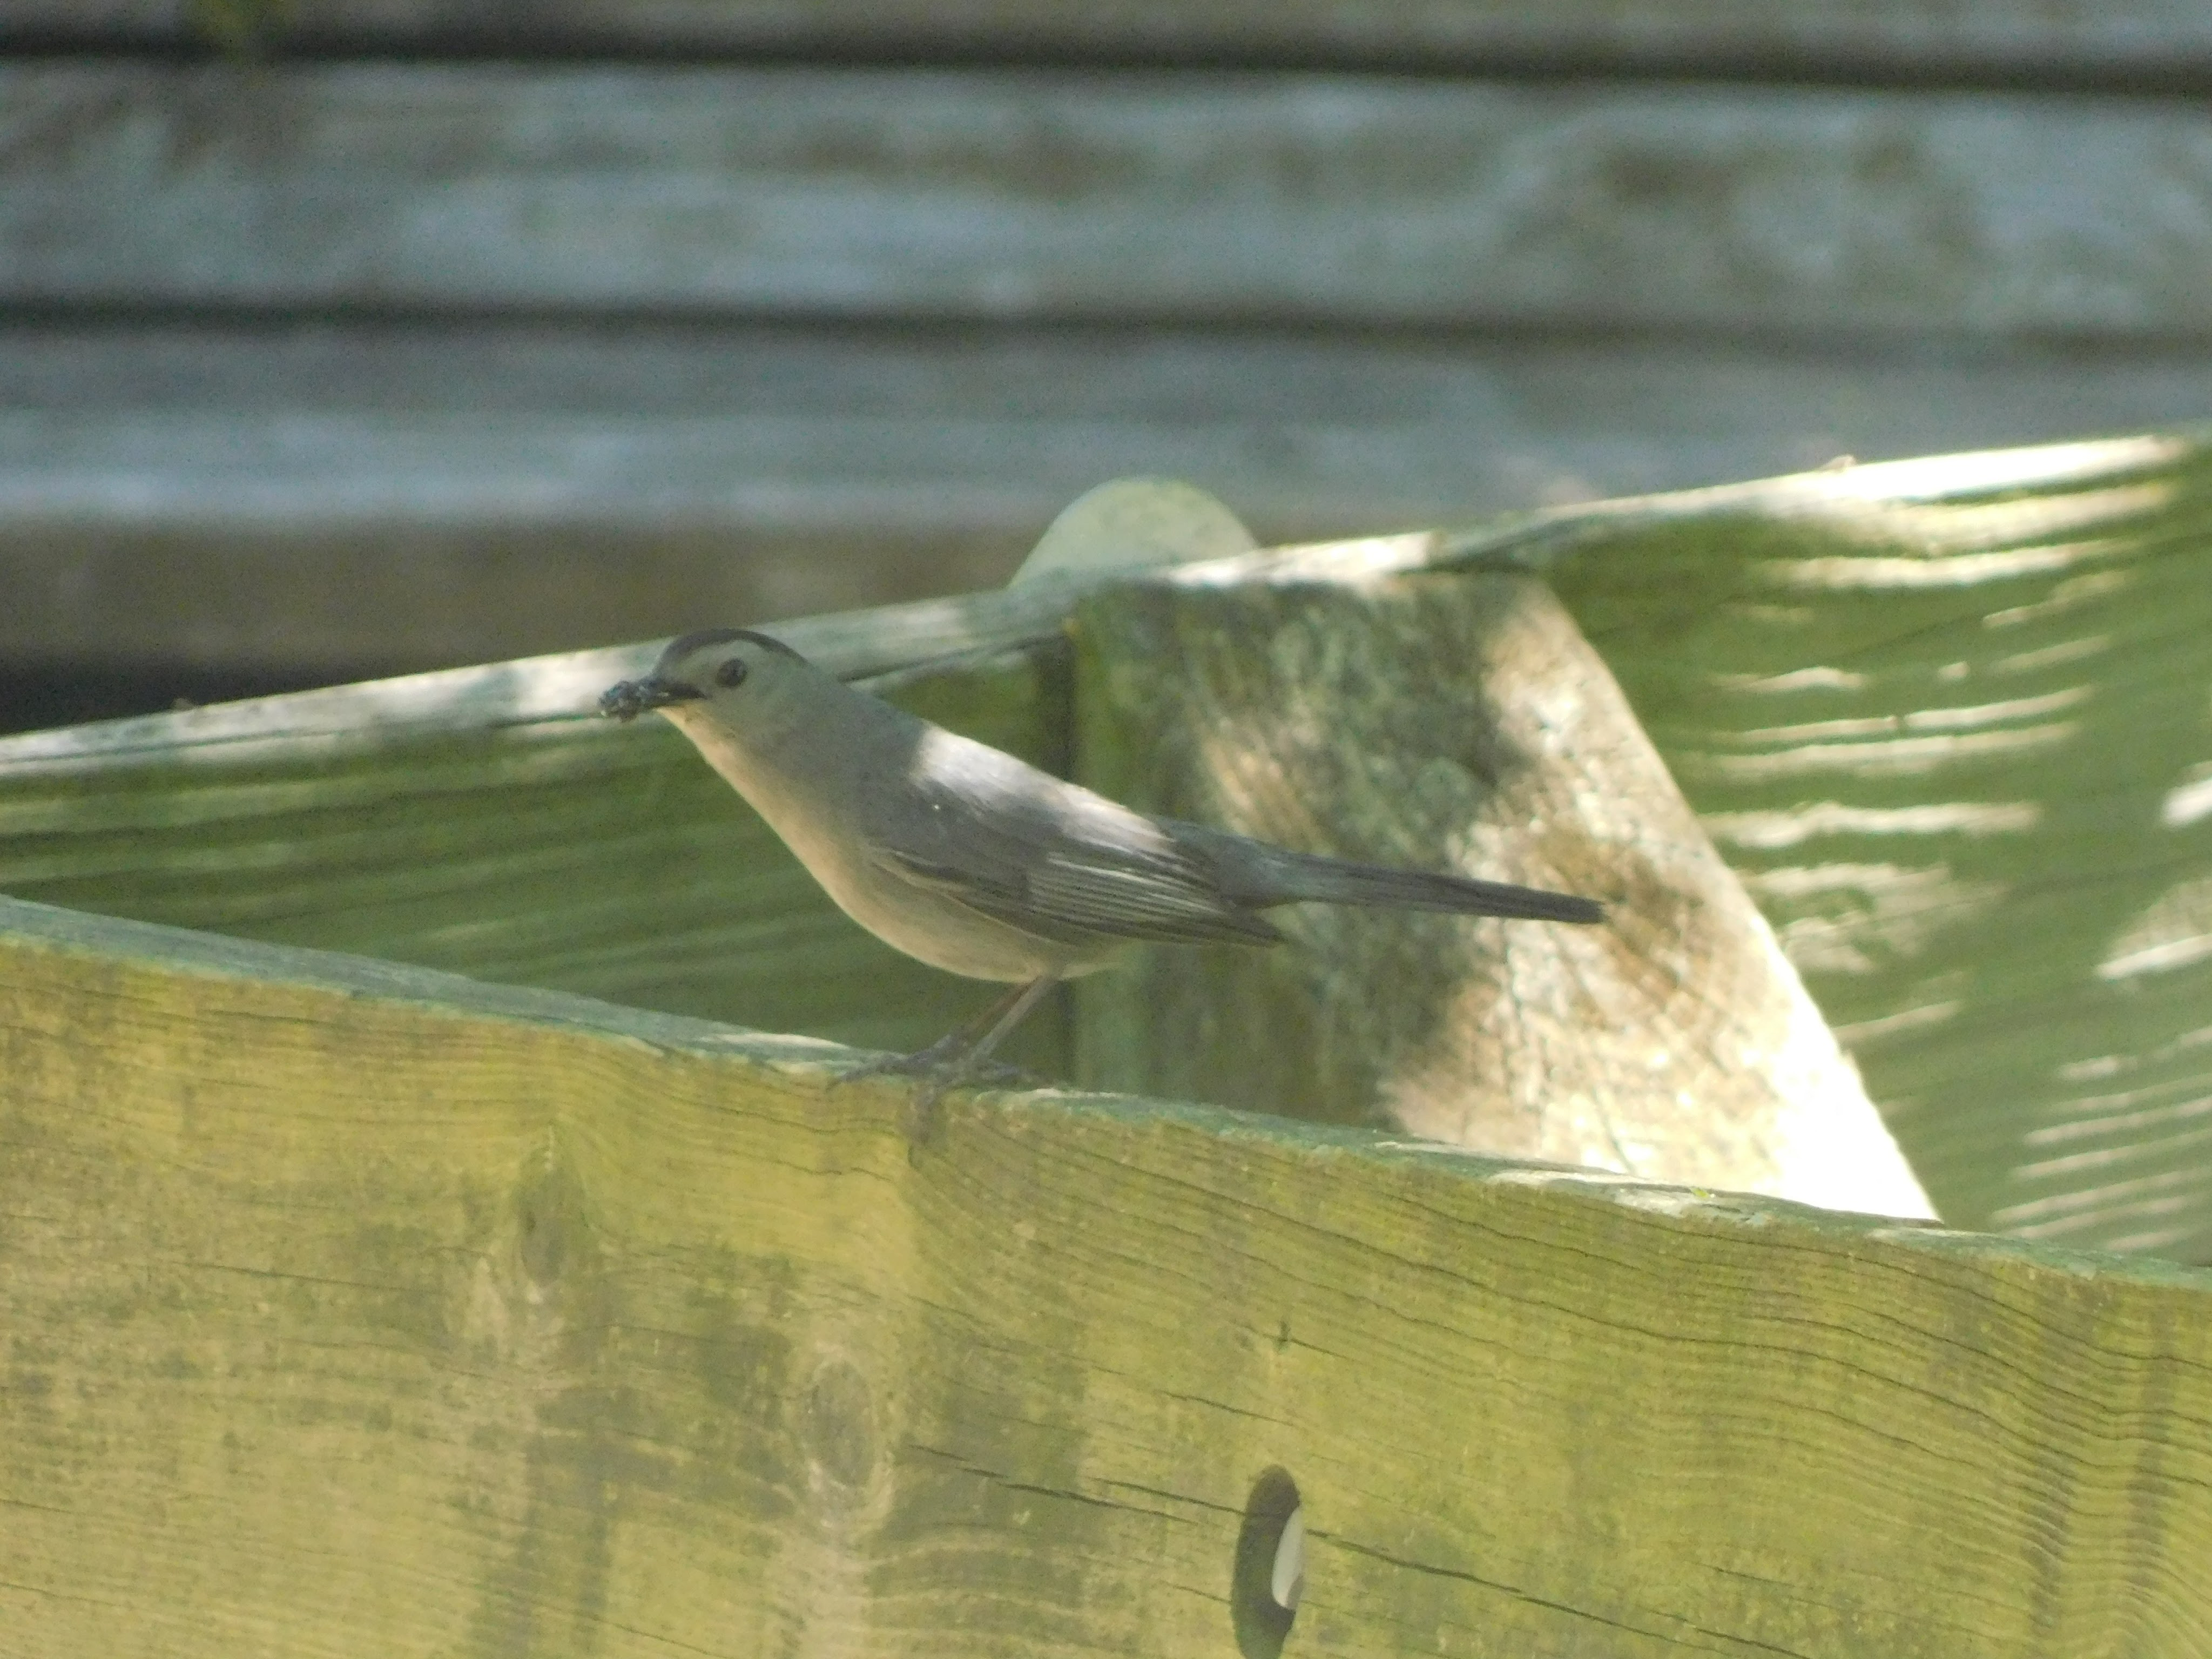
column 1027, row 195
column 2019, row 39
column 255, row 496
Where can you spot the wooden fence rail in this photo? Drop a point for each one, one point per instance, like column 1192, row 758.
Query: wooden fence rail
column 353, row 1309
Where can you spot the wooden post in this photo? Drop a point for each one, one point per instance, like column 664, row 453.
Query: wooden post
column 1455, row 721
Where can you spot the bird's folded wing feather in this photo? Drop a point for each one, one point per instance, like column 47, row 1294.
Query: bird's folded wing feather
column 1051, row 859
column 1074, row 892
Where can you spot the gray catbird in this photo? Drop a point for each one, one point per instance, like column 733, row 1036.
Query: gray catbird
column 977, row 862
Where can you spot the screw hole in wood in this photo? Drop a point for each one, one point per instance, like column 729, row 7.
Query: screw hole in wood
column 1270, row 1570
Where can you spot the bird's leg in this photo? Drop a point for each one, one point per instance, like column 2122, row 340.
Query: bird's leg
column 1007, row 1014
column 965, row 1040
column 959, row 1055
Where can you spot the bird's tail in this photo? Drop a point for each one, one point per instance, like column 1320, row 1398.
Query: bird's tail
column 1261, row 876
column 1338, row 881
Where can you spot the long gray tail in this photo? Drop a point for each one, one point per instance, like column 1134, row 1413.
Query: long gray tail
column 1340, row 882
column 1261, row 876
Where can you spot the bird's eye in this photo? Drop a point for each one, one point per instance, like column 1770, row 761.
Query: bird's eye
column 731, row 672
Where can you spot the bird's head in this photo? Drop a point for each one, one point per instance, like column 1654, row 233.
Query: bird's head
column 716, row 671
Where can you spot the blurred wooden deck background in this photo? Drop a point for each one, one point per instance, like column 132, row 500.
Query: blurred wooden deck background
column 450, row 332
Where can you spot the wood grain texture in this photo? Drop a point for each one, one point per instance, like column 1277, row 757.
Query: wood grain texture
column 1896, row 38
column 357, row 1310
column 1028, row 195
column 243, row 497
column 1958, row 750
column 1457, row 723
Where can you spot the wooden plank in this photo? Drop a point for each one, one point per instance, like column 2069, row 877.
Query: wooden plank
column 373, row 1311
column 2016, row 39
column 1018, row 194
column 1957, row 755
column 252, row 498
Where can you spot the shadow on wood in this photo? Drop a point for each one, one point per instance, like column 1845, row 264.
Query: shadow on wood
column 1458, row 723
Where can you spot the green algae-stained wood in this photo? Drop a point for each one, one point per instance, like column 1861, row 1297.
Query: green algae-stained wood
column 1958, row 747
column 1949, row 719
column 1461, row 721
column 536, row 846
column 351, row 1308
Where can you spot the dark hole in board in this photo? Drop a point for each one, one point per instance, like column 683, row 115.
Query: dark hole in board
column 1260, row 1607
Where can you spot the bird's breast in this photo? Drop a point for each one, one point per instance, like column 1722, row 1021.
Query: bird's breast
column 829, row 836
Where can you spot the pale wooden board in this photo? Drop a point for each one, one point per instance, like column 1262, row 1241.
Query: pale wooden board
column 1904, row 38
column 357, row 1310
column 246, row 496
column 1022, row 194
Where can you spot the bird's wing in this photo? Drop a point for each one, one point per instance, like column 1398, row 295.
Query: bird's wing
column 1053, row 860
column 1077, row 895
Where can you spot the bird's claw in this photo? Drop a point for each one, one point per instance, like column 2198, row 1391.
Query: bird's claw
column 940, row 1068
column 939, row 1060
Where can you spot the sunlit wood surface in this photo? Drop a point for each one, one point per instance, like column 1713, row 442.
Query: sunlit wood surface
column 355, row 1310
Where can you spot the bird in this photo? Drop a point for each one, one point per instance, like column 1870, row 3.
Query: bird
column 975, row 862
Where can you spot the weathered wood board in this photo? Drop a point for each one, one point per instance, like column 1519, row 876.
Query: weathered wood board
column 1455, row 722
column 541, row 850
column 2018, row 40
column 275, row 496
column 353, row 1310
column 1342, row 301
column 1958, row 752
column 1013, row 195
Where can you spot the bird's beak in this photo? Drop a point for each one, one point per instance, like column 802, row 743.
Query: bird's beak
column 625, row 700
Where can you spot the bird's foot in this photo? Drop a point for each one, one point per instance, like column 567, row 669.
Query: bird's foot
column 948, row 1063
column 944, row 1066
column 941, row 1059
